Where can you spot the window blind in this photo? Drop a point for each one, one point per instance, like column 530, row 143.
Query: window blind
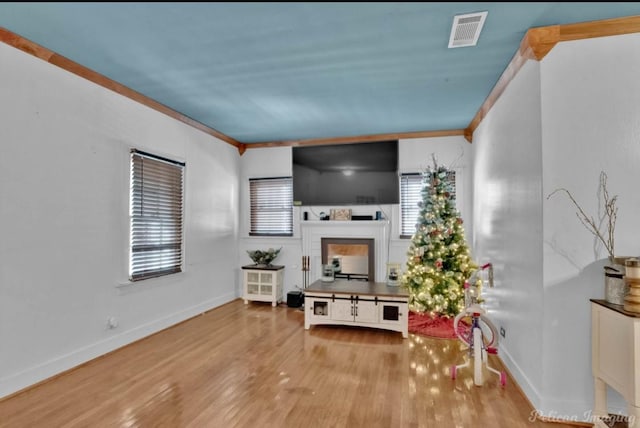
column 451, row 178
column 411, row 185
column 157, row 198
column 271, row 202
column 410, row 196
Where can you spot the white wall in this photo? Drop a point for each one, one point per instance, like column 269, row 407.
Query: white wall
column 558, row 124
column 414, row 155
column 591, row 123
column 507, row 217
column 263, row 163
column 64, row 171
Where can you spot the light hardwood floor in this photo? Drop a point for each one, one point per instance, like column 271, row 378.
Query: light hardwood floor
column 255, row 366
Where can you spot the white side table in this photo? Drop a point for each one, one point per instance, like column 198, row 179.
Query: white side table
column 263, row 283
column 615, row 358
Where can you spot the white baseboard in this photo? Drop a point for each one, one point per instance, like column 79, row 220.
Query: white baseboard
column 530, row 391
column 572, row 411
column 33, row 375
column 553, row 409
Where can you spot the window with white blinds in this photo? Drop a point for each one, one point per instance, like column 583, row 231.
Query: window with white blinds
column 157, row 199
column 411, row 185
column 271, row 202
column 410, row 196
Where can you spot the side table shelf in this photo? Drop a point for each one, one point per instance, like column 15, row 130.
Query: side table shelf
column 262, row 283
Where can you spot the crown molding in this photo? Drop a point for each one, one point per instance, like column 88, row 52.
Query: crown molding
column 357, row 139
column 539, row 41
column 53, row 58
column 535, row 45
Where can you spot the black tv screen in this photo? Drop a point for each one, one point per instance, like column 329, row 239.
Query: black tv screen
column 346, row 174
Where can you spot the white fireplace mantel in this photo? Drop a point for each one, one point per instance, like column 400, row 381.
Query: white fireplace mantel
column 313, row 231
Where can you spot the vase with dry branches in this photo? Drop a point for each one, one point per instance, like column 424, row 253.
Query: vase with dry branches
column 615, row 286
column 608, row 218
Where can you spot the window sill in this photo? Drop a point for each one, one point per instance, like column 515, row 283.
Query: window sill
column 127, row 285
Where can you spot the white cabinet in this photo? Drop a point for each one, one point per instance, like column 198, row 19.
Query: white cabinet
column 615, row 359
column 342, row 310
column 263, row 283
column 357, row 303
column 354, row 309
column 367, row 311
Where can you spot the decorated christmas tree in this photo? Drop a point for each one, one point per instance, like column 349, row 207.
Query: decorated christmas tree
column 438, row 260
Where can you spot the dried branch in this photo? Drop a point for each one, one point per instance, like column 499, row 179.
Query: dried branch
column 610, row 213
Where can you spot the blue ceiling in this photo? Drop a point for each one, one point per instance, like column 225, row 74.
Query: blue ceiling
column 262, row 72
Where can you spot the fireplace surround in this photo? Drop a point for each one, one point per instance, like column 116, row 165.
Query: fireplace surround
column 375, row 230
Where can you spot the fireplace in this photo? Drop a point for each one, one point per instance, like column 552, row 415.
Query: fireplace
column 353, row 258
column 374, row 232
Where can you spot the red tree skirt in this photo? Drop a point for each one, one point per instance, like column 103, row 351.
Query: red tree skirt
column 431, row 326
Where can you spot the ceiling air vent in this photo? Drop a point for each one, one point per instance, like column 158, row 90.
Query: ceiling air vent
column 466, row 29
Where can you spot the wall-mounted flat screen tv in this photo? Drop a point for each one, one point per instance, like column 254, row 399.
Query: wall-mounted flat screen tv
column 346, row 174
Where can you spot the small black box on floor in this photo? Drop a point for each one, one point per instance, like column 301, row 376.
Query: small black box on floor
column 295, row 299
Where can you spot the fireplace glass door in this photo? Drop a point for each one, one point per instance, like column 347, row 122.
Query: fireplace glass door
column 351, row 258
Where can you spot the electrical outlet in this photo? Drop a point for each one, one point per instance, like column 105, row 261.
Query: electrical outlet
column 503, row 332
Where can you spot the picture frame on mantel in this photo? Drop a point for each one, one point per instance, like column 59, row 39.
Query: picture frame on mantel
column 340, row 214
